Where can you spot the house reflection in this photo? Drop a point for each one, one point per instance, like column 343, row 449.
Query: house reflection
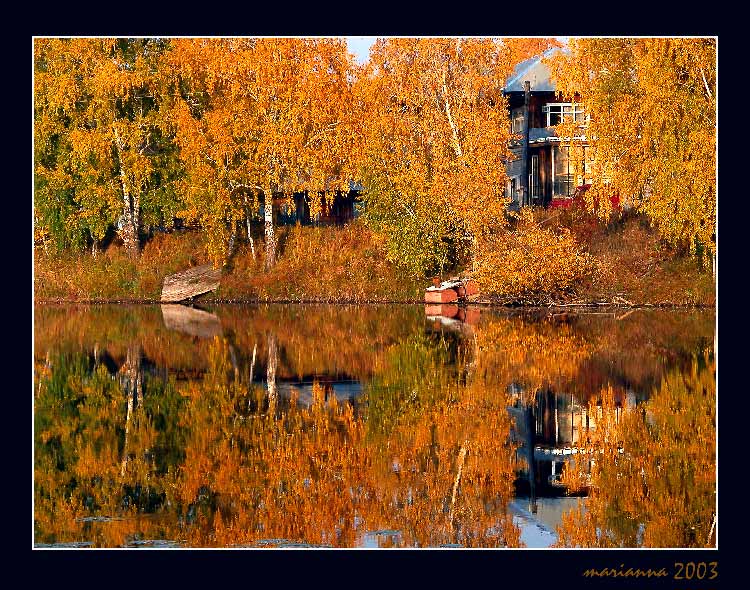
column 552, row 431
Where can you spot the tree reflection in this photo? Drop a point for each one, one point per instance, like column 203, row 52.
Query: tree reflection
column 652, row 472
column 336, row 429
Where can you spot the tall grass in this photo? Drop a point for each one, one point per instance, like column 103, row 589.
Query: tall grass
column 314, row 264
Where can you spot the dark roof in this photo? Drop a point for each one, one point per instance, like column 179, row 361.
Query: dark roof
column 535, row 72
column 541, row 134
column 537, row 135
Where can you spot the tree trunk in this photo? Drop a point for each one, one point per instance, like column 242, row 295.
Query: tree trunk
column 132, row 381
column 270, row 237
column 273, row 359
column 130, row 206
column 249, row 228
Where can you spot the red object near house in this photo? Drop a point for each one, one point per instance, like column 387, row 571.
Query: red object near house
column 447, row 311
column 577, row 199
column 469, row 316
column 440, row 295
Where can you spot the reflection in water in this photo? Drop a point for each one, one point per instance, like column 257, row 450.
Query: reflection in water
column 310, row 426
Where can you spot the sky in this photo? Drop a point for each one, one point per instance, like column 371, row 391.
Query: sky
column 360, row 47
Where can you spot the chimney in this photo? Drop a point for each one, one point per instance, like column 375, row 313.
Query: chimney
column 525, row 197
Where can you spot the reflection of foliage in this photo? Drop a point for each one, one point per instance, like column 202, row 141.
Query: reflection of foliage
column 207, row 457
column 415, row 376
column 532, row 354
column 660, row 491
column 82, row 468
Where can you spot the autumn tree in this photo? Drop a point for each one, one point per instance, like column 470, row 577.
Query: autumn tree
column 652, row 129
column 435, row 136
column 518, row 49
column 100, row 154
column 258, row 118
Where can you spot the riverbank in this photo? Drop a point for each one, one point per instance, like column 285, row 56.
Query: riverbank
column 347, row 265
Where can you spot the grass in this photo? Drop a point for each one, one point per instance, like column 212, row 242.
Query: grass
column 632, row 264
column 347, row 264
column 314, row 264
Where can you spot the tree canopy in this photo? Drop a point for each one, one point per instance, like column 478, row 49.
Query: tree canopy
column 652, row 130
column 101, row 158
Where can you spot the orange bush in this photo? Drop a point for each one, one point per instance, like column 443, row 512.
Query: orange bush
column 530, row 262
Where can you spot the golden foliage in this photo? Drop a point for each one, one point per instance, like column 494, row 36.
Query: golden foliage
column 530, row 262
column 653, row 474
column 652, row 130
column 260, row 116
column 96, row 120
column 205, row 454
column 436, row 131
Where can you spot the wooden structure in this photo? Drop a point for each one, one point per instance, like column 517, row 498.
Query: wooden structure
column 454, row 289
column 440, row 294
column 543, row 170
column 190, row 283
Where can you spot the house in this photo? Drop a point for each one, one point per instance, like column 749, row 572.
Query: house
column 542, row 172
column 337, row 207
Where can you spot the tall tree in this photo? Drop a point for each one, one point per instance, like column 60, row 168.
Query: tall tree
column 261, row 117
column 99, row 149
column 436, row 135
column 652, row 130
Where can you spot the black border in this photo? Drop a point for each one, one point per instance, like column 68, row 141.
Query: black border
column 496, row 568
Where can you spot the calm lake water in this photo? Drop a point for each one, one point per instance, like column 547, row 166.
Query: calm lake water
column 372, row 426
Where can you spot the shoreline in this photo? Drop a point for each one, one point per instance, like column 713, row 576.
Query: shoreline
column 599, row 305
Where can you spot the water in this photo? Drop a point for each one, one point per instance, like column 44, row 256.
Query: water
column 372, row 426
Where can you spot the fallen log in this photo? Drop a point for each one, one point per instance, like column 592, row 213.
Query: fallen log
column 190, row 283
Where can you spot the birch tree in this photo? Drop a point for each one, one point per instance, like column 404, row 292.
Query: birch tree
column 652, row 131
column 97, row 140
column 261, row 117
column 436, row 135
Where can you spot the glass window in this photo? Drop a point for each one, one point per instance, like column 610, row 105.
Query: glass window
column 566, row 175
column 555, row 111
column 562, row 177
column 516, row 123
column 534, row 184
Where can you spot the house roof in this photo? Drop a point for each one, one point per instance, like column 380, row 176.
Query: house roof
column 535, row 72
column 538, row 135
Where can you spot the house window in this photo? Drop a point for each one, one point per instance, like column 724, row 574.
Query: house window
column 516, row 121
column 562, row 179
column 563, row 168
column 512, row 189
column 555, row 111
column 534, row 184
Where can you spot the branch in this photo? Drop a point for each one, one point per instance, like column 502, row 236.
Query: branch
column 705, row 84
column 456, row 143
column 239, row 187
column 321, row 132
column 461, row 458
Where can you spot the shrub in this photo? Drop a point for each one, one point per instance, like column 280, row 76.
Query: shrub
column 530, row 261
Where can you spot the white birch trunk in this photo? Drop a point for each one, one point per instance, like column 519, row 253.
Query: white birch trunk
column 270, row 236
column 130, row 205
column 273, row 357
